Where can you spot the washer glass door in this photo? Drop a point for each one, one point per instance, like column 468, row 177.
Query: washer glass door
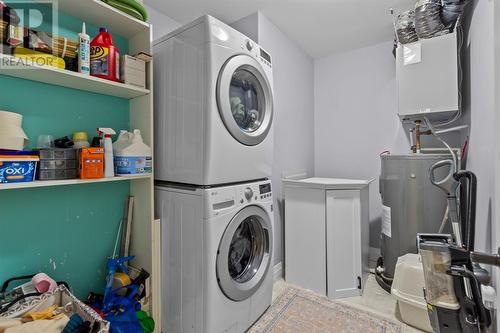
column 244, row 253
column 244, row 98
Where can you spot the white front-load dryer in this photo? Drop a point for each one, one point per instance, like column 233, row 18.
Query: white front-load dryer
column 213, row 106
column 216, row 256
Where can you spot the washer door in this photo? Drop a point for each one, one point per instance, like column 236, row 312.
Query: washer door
column 244, row 98
column 244, row 254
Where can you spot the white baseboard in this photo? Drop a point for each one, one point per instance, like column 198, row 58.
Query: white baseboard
column 278, row 271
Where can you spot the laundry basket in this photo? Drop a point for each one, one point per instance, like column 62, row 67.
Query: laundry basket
column 60, row 296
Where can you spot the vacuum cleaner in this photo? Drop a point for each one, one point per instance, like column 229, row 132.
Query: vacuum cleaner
column 452, row 271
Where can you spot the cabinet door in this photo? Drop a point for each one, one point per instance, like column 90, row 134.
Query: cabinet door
column 343, row 238
column 305, row 255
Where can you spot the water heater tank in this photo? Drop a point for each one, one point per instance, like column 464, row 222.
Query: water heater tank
column 411, row 205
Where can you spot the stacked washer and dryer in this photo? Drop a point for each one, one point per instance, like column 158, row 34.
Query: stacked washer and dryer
column 213, row 124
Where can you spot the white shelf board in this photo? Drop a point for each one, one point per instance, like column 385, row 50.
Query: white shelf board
column 69, row 79
column 50, row 183
column 99, row 13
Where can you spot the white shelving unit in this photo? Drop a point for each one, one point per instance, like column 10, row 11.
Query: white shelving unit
column 51, row 183
column 65, row 78
column 145, row 244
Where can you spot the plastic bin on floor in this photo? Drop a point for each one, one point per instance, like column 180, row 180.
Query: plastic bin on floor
column 408, row 288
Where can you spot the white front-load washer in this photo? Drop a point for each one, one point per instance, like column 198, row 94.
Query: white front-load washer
column 216, row 256
column 213, row 106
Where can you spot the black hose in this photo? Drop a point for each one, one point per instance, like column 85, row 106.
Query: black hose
column 468, row 194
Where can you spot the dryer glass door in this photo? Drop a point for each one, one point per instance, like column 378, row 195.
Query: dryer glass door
column 244, row 98
column 244, row 254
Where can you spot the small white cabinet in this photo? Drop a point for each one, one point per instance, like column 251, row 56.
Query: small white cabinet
column 327, row 235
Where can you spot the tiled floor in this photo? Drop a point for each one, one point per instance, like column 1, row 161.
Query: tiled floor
column 374, row 300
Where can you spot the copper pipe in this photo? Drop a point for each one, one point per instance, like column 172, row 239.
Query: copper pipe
column 418, row 134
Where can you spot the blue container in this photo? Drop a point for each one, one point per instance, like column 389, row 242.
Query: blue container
column 17, row 169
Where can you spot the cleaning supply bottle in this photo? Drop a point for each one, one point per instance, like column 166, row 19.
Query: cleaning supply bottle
column 122, row 141
column 109, row 169
column 81, row 140
column 135, row 158
column 104, row 57
column 84, row 51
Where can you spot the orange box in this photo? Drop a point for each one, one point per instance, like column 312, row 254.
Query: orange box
column 91, row 163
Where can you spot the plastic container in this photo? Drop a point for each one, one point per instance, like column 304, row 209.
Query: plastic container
column 134, row 158
column 122, row 141
column 439, row 287
column 57, row 154
column 408, row 288
column 109, row 167
column 17, row 169
column 104, row 57
column 57, row 174
column 45, row 141
column 81, row 140
column 57, row 164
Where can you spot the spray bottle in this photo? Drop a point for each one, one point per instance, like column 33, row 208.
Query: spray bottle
column 109, row 168
column 84, row 52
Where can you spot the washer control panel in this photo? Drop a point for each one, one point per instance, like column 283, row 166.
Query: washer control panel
column 265, row 190
column 223, row 199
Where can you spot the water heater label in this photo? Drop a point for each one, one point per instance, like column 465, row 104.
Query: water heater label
column 386, row 221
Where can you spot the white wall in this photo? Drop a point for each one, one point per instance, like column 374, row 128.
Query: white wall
column 294, row 114
column 162, row 24
column 496, row 223
column 293, row 74
column 482, row 73
column 479, row 99
column 249, row 26
column 356, row 118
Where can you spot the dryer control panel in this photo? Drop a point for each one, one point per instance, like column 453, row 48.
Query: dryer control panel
column 225, row 199
column 265, row 57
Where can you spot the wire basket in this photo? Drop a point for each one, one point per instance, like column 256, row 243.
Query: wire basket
column 62, row 297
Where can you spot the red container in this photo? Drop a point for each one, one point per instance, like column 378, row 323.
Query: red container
column 104, row 57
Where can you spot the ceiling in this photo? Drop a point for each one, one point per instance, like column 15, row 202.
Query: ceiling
column 320, row 27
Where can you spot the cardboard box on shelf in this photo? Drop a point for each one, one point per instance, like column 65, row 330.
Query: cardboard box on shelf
column 133, row 71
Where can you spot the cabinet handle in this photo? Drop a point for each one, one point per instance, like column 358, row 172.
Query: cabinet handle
column 359, row 282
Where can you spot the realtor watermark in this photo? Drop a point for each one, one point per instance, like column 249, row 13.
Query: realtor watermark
column 27, row 61
column 29, row 30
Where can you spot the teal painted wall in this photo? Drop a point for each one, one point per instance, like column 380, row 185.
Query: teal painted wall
column 66, row 231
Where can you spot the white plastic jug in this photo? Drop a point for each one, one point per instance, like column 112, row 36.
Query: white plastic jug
column 132, row 156
column 122, row 141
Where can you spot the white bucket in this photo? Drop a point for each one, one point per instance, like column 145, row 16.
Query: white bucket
column 10, row 119
column 12, row 143
column 12, row 137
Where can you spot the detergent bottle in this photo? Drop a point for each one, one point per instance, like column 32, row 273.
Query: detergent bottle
column 134, row 158
column 104, row 57
column 122, row 141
